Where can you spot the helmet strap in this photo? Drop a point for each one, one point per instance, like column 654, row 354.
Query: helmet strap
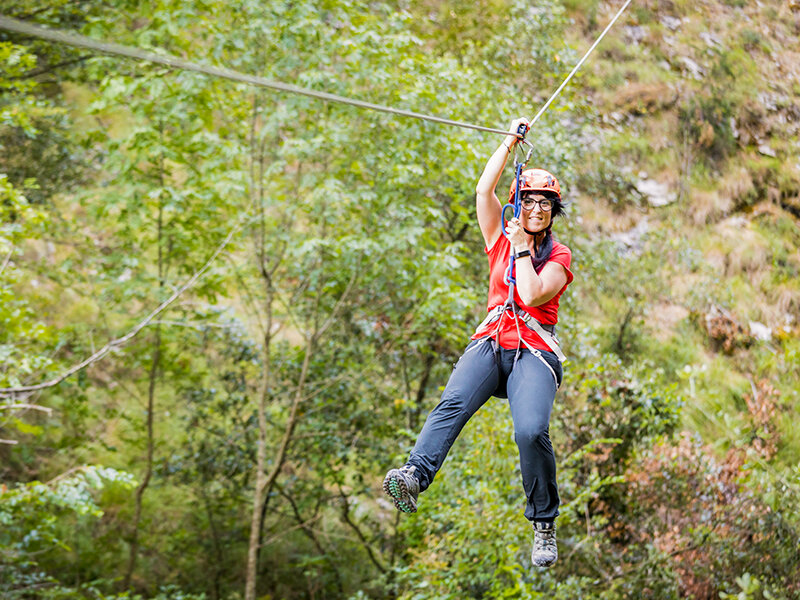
column 535, row 234
column 539, row 237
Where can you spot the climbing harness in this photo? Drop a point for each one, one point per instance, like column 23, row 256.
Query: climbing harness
column 545, row 332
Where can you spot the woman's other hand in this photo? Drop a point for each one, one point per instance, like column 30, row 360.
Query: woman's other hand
column 516, row 235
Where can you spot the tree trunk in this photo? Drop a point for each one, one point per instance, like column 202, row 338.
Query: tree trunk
column 261, row 479
column 264, row 482
column 151, row 390
column 259, row 495
column 416, row 409
column 218, row 555
column 148, row 472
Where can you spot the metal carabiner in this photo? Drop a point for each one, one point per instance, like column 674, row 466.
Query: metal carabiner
column 527, row 155
column 516, row 206
column 522, row 129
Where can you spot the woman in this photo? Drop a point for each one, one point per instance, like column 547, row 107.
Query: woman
column 507, row 357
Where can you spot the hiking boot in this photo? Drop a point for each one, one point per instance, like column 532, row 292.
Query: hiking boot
column 545, row 550
column 402, row 486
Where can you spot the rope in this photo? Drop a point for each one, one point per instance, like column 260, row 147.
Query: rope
column 509, row 276
column 168, row 60
column 578, row 66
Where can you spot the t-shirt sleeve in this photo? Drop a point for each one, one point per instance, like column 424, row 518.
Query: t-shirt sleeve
column 499, row 248
column 563, row 256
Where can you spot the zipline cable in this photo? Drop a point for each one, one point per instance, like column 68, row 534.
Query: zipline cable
column 578, row 66
column 168, row 60
column 174, row 62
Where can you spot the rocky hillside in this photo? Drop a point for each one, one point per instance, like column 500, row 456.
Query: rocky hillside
column 696, row 112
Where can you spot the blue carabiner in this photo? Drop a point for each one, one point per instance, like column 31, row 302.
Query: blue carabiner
column 517, row 206
column 508, row 277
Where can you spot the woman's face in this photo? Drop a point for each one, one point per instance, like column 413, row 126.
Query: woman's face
column 536, row 212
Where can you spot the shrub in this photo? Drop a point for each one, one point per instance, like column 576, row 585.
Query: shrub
column 30, row 534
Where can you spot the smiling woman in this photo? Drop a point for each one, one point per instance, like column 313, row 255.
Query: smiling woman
column 495, row 362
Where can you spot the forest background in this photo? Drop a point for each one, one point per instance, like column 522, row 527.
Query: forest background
column 234, row 446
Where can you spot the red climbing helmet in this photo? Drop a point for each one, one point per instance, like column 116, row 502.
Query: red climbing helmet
column 535, row 180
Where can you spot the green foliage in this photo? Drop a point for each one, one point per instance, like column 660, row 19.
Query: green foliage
column 20, row 219
column 118, row 179
column 620, row 277
column 604, row 180
column 33, row 538
column 752, row 40
column 707, row 114
column 36, row 143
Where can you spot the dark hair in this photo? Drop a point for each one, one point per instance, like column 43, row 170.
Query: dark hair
column 558, row 205
column 545, row 249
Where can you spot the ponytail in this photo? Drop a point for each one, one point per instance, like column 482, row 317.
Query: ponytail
column 543, row 251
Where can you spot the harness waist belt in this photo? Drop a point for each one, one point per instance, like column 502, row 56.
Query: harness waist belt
column 545, row 331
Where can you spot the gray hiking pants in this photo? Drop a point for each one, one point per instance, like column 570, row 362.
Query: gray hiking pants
column 486, row 370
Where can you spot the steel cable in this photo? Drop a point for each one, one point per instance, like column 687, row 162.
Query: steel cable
column 578, row 66
column 80, row 41
column 168, row 60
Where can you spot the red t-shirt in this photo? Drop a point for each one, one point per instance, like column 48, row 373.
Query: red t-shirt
column 546, row 313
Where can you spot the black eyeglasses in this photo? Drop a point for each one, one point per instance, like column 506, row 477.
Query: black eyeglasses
column 545, row 204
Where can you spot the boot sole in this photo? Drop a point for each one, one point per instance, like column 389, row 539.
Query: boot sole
column 395, row 487
column 544, row 565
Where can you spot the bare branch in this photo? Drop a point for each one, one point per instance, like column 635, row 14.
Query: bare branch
column 279, row 256
column 66, row 474
column 287, row 305
column 192, row 325
column 50, row 68
column 121, row 341
column 357, row 529
column 7, row 260
column 337, row 307
column 19, row 406
column 247, row 294
column 325, row 384
column 283, row 532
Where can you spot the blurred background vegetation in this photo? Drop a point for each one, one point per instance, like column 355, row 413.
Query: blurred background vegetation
column 324, row 332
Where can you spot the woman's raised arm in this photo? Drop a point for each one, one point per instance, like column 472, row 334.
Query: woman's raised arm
column 488, row 206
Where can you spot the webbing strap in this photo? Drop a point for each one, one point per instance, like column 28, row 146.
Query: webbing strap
column 546, row 332
column 495, row 313
column 547, row 337
column 538, row 355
